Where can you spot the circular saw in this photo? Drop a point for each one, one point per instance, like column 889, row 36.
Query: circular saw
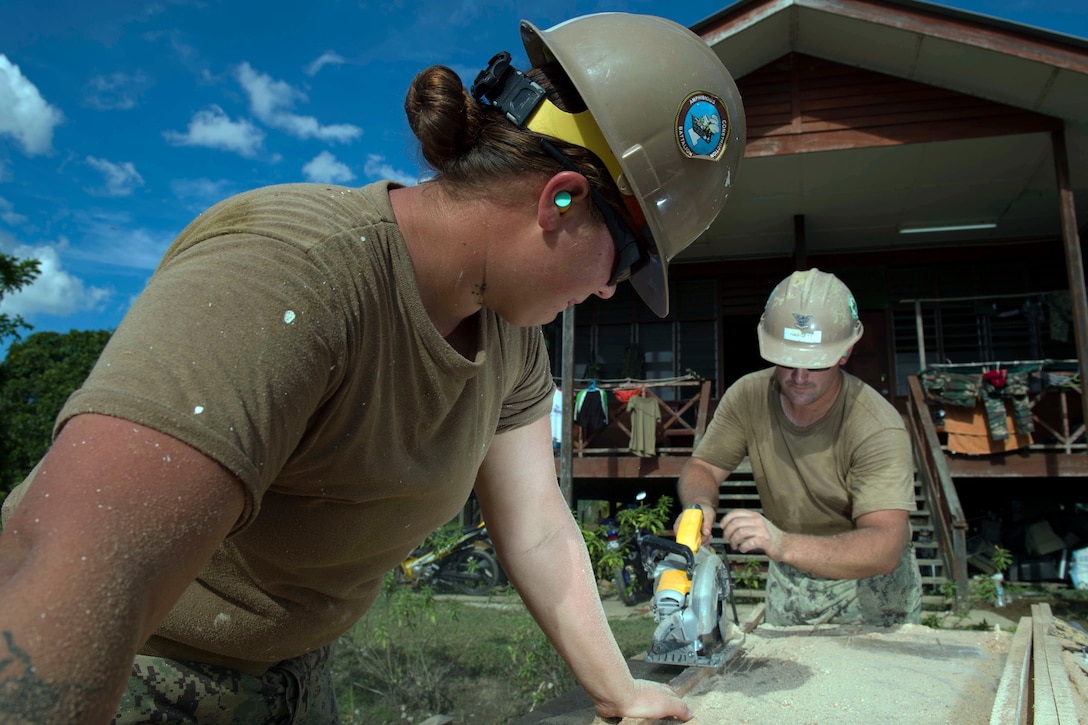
column 691, row 587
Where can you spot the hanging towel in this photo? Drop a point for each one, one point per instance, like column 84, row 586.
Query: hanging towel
column 969, row 432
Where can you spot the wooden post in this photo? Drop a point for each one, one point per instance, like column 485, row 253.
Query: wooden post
column 1074, row 264
column 920, row 331
column 566, row 446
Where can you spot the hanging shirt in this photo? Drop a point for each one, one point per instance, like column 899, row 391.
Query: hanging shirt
column 645, row 415
column 557, row 416
column 591, row 410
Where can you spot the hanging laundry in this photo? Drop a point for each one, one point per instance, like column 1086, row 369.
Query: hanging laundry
column 591, row 409
column 969, row 432
column 557, row 418
column 999, row 386
column 954, row 388
column 645, row 415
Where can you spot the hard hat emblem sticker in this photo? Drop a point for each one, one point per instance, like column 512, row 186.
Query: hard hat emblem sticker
column 802, row 320
column 702, row 126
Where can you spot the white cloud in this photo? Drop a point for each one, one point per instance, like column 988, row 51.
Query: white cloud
column 110, row 238
column 121, row 179
column 199, row 194
column 325, row 169
column 8, row 215
column 116, row 91
column 271, row 102
column 24, row 114
column 54, row 291
column 326, row 58
column 377, row 168
column 212, row 128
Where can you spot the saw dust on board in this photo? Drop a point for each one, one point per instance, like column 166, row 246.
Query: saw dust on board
column 849, row 675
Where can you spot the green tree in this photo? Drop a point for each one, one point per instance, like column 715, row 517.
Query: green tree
column 14, row 275
column 36, row 378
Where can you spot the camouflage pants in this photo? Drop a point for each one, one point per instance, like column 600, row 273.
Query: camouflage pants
column 797, row 598
column 294, row 692
column 1014, row 387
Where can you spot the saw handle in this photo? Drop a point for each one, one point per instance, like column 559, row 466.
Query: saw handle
column 689, row 532
column 650, row 543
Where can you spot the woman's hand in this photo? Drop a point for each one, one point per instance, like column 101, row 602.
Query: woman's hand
column 648, row 700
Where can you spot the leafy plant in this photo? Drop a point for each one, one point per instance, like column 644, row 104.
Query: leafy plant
column 541, row 673
column 949, row 589
column 642, row 517
column 36, row 378
column 15, row 274
column 603, row 559
column 389, row 660
column 654, row 519
column 989, row 588
column 932, row 621
column 747, row 574
column 1002, row 558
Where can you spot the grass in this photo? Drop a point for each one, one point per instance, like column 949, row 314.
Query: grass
column 414, row 655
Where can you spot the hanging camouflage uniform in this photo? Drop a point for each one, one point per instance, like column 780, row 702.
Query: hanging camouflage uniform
column 961, row 389
column 997, row 387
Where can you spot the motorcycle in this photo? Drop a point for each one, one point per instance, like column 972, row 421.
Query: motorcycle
column 634, row 582
column 465, row 564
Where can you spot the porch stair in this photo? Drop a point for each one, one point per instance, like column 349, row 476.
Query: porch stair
column 749, row 571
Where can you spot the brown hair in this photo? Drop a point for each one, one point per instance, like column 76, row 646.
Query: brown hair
column 471, row 146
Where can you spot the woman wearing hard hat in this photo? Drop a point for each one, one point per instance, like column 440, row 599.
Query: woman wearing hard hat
column 318, row 376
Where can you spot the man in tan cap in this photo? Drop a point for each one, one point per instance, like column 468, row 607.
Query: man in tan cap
column 832, row 463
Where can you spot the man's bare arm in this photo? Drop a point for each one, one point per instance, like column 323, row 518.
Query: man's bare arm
column 874, row 547
column 698, row 485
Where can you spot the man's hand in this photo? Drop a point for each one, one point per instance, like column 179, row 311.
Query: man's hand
column 650, row 700
column 749, row 532
column 698, row 484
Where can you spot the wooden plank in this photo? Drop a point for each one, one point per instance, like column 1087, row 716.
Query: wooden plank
column 1046, row 710
column 801, row 104
column 1013, row 693
column 628, row 466
column 1053, row 693
column 891, row 136
column 1042, row 464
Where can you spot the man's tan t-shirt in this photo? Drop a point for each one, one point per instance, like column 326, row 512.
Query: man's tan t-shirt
column 816, row 479
column 284, row 336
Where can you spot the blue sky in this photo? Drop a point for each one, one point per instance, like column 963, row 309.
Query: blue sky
column 120, row 120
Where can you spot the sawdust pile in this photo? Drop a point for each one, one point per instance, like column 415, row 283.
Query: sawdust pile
column 839, row 675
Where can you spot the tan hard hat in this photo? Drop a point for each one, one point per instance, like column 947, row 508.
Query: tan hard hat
column 670, row 113
column 810, row 321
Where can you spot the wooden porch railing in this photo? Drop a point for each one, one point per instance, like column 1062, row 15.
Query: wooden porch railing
column 949, row 520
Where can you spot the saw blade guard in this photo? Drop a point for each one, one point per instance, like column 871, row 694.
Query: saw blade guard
column 693, row 633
